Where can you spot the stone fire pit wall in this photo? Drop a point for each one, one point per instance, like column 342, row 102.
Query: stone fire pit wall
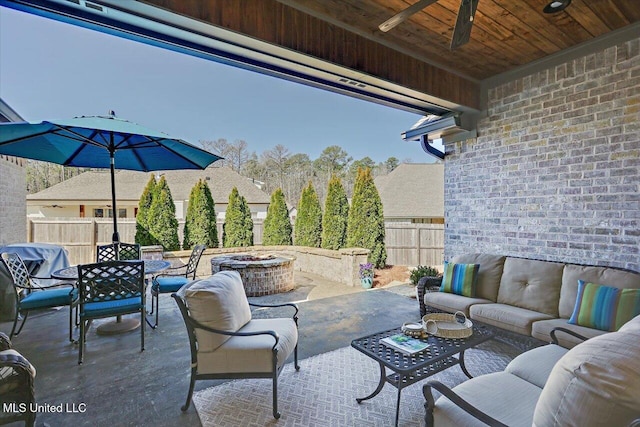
column 261, row 274
column 339, row 266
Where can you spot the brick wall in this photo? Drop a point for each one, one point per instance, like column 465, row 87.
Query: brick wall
column 555, row 171
column 13, row 202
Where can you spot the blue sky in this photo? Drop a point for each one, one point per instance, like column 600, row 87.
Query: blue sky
column 53, row 70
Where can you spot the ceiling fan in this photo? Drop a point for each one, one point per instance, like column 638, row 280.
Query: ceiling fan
column 464, row 21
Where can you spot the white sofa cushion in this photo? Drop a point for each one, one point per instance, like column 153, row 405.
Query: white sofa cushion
column 596, row 383
column 251, row 354
column 531, row 284
column 489, row 273
column 601, row 275
column 535, row 365
column 507, row 317
column 502, row 396
column 542, row 331
column 218, row 302
column 452, row 302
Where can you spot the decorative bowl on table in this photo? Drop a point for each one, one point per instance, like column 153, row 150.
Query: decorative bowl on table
column 447, row 325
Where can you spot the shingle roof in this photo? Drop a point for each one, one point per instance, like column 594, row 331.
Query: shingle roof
column 130, row 184
column 413, row 190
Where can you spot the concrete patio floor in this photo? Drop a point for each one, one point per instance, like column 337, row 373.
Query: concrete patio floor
column 122, row 386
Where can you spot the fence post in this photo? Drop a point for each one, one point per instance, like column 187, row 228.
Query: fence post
column 94, row 239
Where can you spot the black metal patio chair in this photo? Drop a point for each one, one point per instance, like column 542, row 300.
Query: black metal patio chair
column 118, row 251
column 173, row 279
column 109, row 289
column 30, row 295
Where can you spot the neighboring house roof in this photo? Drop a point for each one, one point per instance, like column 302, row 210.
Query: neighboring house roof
column 413, row 190
column 94, row 186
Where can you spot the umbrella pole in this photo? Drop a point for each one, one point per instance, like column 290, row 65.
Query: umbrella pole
column 116, row 236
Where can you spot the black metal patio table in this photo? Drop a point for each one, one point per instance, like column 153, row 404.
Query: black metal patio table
column 120, row 325
column 409, row 369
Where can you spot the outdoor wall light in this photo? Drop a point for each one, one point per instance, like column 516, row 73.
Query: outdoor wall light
column 556, row 6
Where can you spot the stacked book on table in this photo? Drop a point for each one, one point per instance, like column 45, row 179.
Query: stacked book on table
column 404, row 343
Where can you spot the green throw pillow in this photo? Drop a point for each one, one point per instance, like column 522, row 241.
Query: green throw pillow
column 460, row 279
column 604, row 307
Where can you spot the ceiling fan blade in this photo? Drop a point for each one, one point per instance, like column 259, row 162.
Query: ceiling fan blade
column 464, row 22
column 404, row 14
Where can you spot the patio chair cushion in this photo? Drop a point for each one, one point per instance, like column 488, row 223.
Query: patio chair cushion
column 108, row 308
column 604, row 307
column 218, row 302
column 169, row 284
column 542, row 331
column 48, row 298
column 251, row 354
column 460, row 279
column 531, row 284
column 491, row 394
column 507, row 317
column 489, row 273
column 609, row 276
column 535, row 365
column 596, row 383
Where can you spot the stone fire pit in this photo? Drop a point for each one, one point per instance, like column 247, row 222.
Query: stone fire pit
column 263, row 274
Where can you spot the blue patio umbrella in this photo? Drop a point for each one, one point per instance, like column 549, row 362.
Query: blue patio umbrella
column 101, row 142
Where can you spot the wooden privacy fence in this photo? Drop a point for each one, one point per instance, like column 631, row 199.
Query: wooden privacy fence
column 407, row 244
column 80, row 236
column 414, row 244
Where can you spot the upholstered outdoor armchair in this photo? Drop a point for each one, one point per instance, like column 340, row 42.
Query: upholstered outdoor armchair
column 226, row 343
column 16, row 385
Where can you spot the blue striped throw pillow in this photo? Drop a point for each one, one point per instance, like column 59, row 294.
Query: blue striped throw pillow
column 604, row 307
column 460, row 279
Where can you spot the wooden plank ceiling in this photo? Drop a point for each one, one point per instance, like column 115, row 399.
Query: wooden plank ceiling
column 506, row 34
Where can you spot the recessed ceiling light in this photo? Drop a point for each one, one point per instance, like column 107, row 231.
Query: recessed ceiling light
column 556, row 6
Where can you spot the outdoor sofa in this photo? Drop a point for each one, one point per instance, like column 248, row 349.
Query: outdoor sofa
column 529, row 297
column 596, row 383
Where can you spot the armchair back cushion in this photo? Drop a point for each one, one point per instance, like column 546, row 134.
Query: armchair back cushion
column 489, row 273
column 218, row 302
column 603, row 275
column 596, row 383
column 531, row 284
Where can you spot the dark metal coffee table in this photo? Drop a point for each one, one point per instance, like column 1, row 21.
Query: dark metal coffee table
column 409, row 369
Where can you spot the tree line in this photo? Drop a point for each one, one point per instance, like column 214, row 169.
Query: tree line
column 278, row 167
column 337, row 226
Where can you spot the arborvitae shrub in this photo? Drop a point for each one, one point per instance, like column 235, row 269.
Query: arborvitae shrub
column 277, row 225
column 308, row 229
column 143, row 236
column 336, row 212
column 200, row 222
column 163, row 224
column 365, row 227
column 238, row 226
